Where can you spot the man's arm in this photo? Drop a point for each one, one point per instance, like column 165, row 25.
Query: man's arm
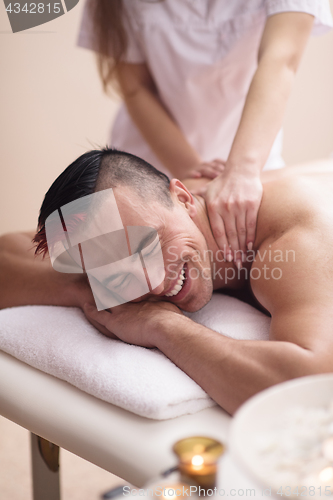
column 26, row 279
column 229, row 370
column 301, row 340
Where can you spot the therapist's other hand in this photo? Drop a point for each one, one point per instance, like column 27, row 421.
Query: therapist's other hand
column 135, row 323
column 233, row 201
column 209, row 169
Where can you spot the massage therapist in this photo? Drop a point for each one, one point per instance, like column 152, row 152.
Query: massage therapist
column 205, row 85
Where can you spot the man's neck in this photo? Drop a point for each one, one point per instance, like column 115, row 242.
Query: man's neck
column 224, row 274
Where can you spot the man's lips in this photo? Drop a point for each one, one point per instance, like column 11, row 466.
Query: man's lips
column 173, row 283
column 179, row 296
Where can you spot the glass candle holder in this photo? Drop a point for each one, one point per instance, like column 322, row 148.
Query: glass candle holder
column 198, row 457
column 170, row 488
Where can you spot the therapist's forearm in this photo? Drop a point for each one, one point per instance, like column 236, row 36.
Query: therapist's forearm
column 161, row 132
column 262, row 116
column 281, row 48
column 229, row 370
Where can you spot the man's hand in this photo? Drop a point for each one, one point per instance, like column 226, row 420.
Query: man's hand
column 208, row 169
column 233, row 201
column 134, row 323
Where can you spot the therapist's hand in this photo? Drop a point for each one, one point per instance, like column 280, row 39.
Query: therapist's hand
column 233, row 201
column 208, row 169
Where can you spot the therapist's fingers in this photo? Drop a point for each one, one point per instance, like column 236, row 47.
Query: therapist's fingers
column 252, row 209
column 241, row 232
column 200, row 191
column 219, row 231
column 209, row 170
column 230, row 224
column 219, row 164
column 251, row 223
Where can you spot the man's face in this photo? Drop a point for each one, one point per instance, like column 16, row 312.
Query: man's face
column 184, row 247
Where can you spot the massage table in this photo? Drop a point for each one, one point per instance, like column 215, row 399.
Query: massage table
column 56, row 364
column 131, row 447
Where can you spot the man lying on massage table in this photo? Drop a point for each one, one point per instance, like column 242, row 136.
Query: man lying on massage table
column 289, row 272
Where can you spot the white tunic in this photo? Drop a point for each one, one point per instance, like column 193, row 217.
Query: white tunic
column 202, row 55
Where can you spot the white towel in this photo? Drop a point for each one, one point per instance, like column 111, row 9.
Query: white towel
column 61, row 342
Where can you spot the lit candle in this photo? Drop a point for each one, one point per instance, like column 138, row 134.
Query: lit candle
column 176, row 491
column 172, row 488
column 198, row 458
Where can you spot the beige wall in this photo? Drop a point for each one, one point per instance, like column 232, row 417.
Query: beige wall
column 53, row 110
column 308, row 130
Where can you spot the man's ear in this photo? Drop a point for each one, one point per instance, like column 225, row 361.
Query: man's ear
column 181, row 194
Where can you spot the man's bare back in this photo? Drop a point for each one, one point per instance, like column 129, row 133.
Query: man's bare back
column 297, row 215
column 292, row 275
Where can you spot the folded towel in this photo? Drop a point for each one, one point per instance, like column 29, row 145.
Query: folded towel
column 61, row 342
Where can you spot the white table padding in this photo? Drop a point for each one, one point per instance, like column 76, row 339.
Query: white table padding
column 61, row 342
column 132, row 447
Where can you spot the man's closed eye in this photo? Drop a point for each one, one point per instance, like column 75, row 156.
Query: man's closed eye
column 118, row 282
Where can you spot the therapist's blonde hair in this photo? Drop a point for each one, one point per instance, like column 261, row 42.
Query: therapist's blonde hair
column 109, row 31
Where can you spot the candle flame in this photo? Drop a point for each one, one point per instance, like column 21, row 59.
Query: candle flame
column 198, row 448
column 197, row 460
column 326, row 474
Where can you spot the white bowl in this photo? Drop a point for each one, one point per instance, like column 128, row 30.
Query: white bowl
column 261, row 412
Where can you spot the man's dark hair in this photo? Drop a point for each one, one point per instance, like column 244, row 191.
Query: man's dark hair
column 97, row 170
